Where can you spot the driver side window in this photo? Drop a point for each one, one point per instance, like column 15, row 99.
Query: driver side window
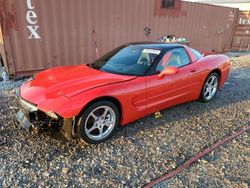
column 177, row 58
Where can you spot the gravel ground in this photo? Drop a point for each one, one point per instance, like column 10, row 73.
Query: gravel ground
column 139, row 152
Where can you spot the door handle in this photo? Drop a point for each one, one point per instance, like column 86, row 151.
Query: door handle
column 193, row 70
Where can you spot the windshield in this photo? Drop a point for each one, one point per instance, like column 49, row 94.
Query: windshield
column 127, row 60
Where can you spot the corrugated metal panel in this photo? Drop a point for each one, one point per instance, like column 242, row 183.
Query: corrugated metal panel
column 241, row 40
column 67, row 28
column 2, row 50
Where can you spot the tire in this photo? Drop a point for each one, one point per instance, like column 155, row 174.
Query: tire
column 210, row 88
column 98, row 122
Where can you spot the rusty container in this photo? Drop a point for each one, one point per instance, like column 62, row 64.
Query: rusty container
column 39, row 34
column 241, row 39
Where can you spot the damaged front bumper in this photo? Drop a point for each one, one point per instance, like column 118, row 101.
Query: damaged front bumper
column 31, row 118
column 23, row 120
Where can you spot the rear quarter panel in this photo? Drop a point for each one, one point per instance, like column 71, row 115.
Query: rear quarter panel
column 215, row 62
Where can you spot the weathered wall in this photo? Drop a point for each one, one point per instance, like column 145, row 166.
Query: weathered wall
column 42, row 34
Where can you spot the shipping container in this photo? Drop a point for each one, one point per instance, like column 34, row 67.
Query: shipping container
column 241, row 39
column 39, row 34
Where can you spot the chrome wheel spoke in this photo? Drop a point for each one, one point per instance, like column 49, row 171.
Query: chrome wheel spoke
column 92, row 128
column 210, row 85
column 101, row 131
column 106, row 110
column 206, row 92
column 212, row 81
column 94, row 116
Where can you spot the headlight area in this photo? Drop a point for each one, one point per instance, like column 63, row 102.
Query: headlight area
column 53, row 115
column 51, row 122
column 38, row 121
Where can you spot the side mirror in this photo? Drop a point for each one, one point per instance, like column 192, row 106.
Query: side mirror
column 168, row 71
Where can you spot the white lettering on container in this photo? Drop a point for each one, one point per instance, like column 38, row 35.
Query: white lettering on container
column 244, row 21
column 31, row 18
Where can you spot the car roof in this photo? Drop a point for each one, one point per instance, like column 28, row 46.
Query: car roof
column 158, row 45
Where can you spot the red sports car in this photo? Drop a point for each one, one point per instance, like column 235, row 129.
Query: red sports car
column 90, row 101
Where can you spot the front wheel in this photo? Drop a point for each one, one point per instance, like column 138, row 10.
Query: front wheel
column 98, row 122
column 210, row 87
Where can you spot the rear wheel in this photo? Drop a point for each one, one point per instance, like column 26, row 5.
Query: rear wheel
column 210, row 87
column 98, row 122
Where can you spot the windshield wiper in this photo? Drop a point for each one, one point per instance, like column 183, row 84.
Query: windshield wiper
column 89, row 65
column 93, row 66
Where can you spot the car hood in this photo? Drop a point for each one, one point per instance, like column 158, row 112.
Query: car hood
column 67, row 81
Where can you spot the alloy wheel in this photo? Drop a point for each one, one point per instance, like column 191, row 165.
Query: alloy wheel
column 211, row 86
column 100, row 123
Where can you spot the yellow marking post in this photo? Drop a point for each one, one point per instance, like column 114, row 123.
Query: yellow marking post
column 158, row 115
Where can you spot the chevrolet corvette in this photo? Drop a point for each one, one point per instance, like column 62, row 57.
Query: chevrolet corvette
column 89, row 101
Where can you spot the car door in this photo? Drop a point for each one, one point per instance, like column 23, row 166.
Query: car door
column 163, row 92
